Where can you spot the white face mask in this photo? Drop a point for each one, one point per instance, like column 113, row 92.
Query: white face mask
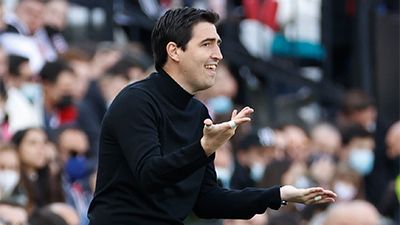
column 224, row 175
column 32, row 91
column 257, row 171
column 344, row 190
column 8, row 181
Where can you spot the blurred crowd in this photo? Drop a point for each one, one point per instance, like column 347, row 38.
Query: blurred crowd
column 54, row 92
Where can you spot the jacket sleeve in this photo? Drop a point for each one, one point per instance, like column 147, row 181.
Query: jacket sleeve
column 217, row 202
column 135, row 124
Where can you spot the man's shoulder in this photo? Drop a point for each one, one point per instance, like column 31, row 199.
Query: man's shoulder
column 144, row 86
column 135, row 91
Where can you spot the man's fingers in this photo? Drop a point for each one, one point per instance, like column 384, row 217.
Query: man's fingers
column 319, row 195
column 236, row 122
column 330, row 194
column 234, row 114
column 245, row 112
column 315, row 190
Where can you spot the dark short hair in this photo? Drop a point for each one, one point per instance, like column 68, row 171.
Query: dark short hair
column 356, row 100
column 14, row 64
column 20, row 135
column 176, row 26
column 352, row 131
column 52, row 70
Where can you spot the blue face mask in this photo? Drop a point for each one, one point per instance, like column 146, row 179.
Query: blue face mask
column 76, row 168
column 361, row 160
column 221, row 104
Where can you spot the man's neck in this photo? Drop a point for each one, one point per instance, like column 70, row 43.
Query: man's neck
column 178, row 78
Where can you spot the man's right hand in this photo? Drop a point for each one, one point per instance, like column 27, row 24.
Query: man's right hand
column 215, row 135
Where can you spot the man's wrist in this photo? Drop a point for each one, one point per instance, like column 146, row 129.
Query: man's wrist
column 283, row 196
column 205, row 147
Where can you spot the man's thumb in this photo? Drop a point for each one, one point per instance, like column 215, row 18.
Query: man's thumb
column 208, row 123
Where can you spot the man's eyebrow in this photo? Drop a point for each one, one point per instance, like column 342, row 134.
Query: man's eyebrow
column 218, row 40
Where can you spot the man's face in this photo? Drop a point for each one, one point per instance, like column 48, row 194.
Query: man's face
column 64, row 86
column 198, row 63
column 55, row 14
column 31, row 13
column 393, row 141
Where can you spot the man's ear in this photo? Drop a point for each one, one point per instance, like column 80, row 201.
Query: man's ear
column 172, row 51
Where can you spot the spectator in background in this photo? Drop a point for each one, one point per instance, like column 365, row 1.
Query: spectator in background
column 73, row 145
column 356, row 212
column 86, row 96
column 321, row 169
column 389, row 205
column 140, row 63
column 66, row 212
column 45, row 216
column 297, row 149
column 41, row 187
column 20, row 36
column 54, row 19
column 325, row 144
column 359, row 108
column 347, row 183
column 297, row 143
column 104, row 89
column 12, row 214
column 28, row 17
column 61, row 109
column 357, row 155
column 224, row 164
column 24, row 97
column 80, row 61
column 393, row 141
column 113, row 80
column 325, row 138
column 250, row 162
column 358, row 149
column 106, row 55
column 58, row 81
column 10, row 176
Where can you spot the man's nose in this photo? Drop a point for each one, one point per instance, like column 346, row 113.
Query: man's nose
column 217, row 54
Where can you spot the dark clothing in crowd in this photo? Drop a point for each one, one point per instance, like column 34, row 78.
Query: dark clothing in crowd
column 241, row 178
column 152, row 167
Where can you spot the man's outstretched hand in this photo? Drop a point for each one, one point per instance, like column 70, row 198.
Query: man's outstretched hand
column 215, row 135
column 314, row 195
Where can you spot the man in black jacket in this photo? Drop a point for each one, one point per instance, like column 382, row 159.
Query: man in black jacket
column 158, row 143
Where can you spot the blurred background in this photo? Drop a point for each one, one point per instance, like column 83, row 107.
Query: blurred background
column 323, row 77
